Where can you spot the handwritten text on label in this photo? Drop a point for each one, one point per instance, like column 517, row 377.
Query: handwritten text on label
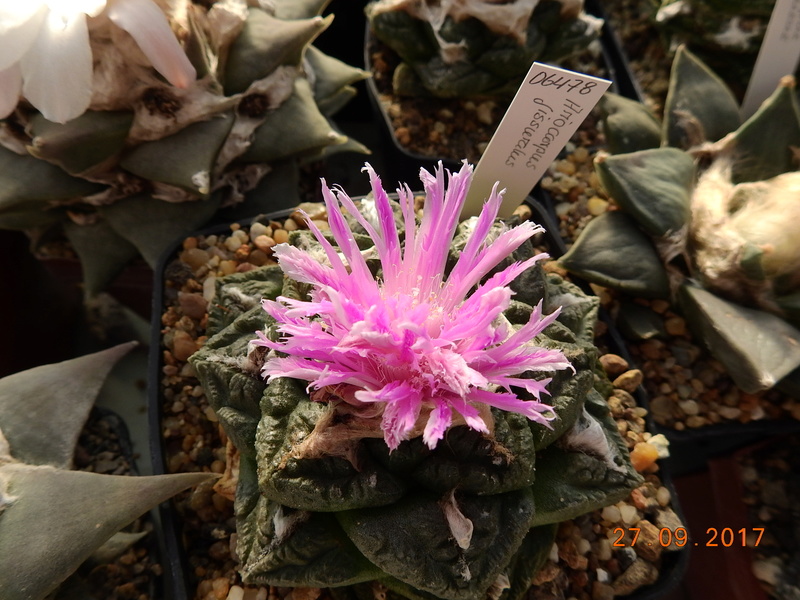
column 546, row 111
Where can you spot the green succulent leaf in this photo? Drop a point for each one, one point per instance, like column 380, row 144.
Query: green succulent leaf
column 295, row 128
column 456, row 565
column 766, row 143
column 613, row 252
column 59, row 509
column 757, row 348
column 629, row 125
column 469, row 461
column 332, row 80
column 264, row 44
column 232, row 391
column 102, row 251
column 531, row 556
column 299, row 9
column 790, row 305
column 236, row 295
column 25, row 179
column 637, row 322
column 344, row 477
column 185, row 159
column 699, row 106
column 52, row 402
column 409, row 37
column 301, row 549
column 152, row 225
column 34, row 214
column 81, row 143
column 653, row 186
column 115, row 546
column 588, row 469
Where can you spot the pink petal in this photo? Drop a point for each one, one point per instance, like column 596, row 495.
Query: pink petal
column 148, row 25
column 439, row 420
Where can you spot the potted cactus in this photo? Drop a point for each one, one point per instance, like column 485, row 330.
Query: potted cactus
column 445, row 72
column 140, row 160
column 330, row 486
column 725, row 35
column 703, row 202
column 52, row 518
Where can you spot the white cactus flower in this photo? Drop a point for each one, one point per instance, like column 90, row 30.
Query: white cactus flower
column 45, row 53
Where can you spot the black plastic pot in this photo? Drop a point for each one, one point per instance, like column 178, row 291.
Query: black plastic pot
column 176, row 567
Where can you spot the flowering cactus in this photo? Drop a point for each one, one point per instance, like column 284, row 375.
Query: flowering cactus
column 51, row 518
column 134, row 161
column 708, row 206
column 477, row 47
column 727, row 35
column 397, row 424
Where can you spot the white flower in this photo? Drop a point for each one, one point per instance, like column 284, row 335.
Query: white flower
column 45, row 53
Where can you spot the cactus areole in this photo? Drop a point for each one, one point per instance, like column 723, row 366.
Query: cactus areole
column 413, row 403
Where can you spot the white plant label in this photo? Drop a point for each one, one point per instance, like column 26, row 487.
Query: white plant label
column 546, row 111
column 778, row 56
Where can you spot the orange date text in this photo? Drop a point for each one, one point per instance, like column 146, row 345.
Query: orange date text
column 725, row 537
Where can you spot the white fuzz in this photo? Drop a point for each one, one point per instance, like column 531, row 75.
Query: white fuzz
column 726, row 217
column 461, row 527
column 587, row 436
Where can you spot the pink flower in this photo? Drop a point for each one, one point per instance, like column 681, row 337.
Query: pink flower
column 413, row 342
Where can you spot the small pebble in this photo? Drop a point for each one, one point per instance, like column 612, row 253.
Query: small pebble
column 194, row 257
column 628, row 514
column 281, row 236
column 629, row 380
column 638, row 574
column 183, row 345
column 236, row 593
column 613, row 364
column 233, row 243
column 611, row 514
column 265, row 243
column 596, row 206
column 226, row 267
column 643, row 456
column 220, row 586
column 257, row 229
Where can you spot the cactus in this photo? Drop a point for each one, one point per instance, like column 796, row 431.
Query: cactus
column 332, row 494
column 148, row 162
column 725, row 35
column 51, row 518
column 476, row 48
column 707, row 211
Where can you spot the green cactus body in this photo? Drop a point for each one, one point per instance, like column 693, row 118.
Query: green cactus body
column 476, row 49
column 52, row 518
column 322, row 502
column 149, row 162
column 726, row 35
column 707, row 208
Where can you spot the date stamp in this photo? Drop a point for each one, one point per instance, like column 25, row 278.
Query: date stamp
column 725, row 537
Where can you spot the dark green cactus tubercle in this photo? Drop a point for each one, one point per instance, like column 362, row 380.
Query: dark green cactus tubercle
column 318, row 504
